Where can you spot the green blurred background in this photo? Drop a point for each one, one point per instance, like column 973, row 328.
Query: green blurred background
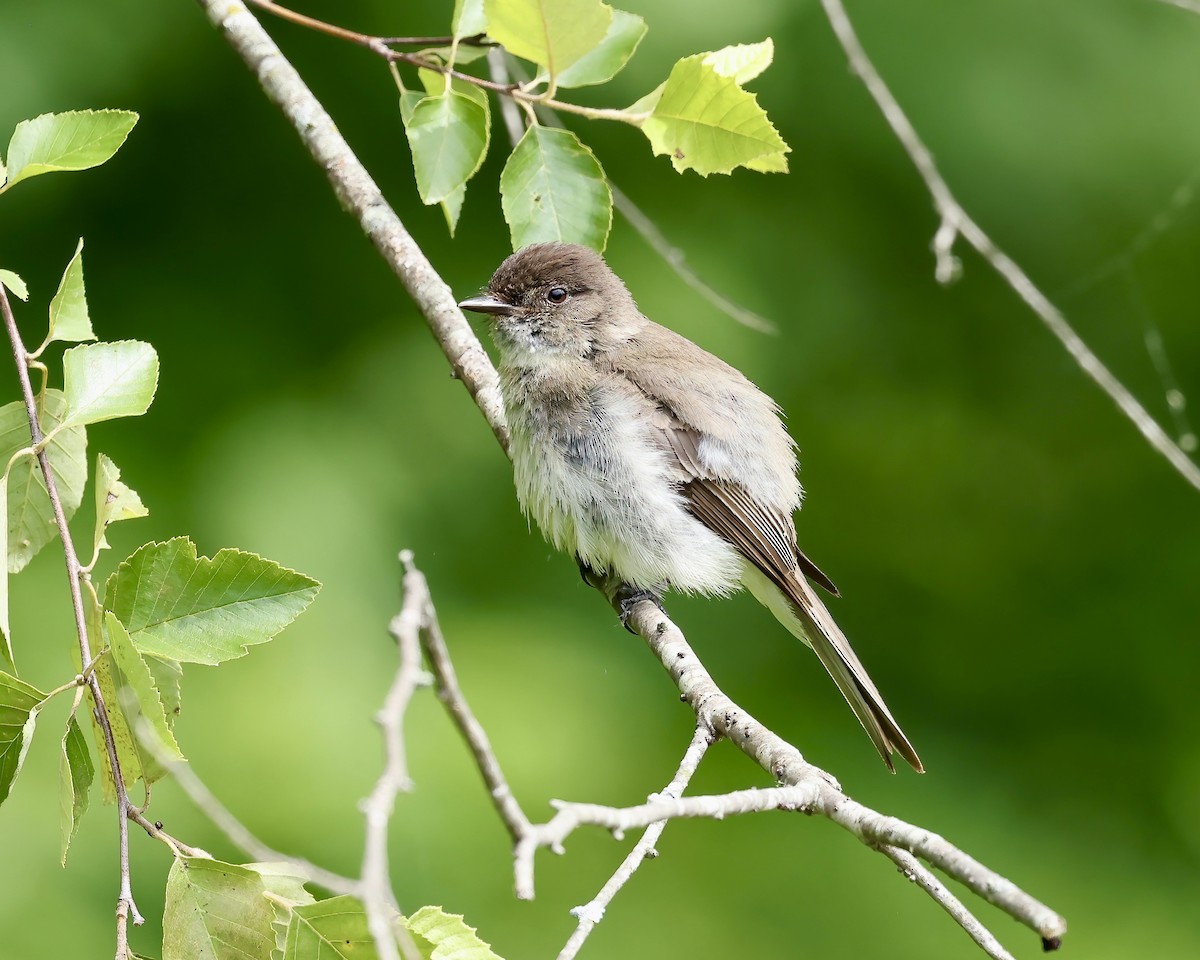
column 1019, row 570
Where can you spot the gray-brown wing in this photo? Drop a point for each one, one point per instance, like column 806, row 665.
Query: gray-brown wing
column 764, row 535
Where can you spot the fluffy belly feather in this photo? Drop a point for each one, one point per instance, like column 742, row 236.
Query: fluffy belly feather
column 607, row 496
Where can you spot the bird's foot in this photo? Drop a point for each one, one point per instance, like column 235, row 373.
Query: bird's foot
column 626, row 598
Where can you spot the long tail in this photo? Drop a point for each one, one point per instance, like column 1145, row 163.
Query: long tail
column 805, row 616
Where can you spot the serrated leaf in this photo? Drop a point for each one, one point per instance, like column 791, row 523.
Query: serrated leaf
column 13, row 283
column 30, row 517
column 448, row 136
column 334, row 929
column 215, row 910
column 602, row 63
column 769, row 163
column 114, row 500
column 19, row 702
column 552, row 188
column 178, row 606
column 743, row 61
column 551, row 33
column 69, row 318
column 140, row 700
column 468, row 18
column 705, row 122
column 76, row 773
column 449, row 935
column 75, row 140
column 103, row 381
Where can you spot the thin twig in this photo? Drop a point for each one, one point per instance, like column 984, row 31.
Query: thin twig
column 592, row 913
column 380, row 47
column 955, row 222
column 445, row 683
column 379, row 900
column 126, row 907
column 917, row 872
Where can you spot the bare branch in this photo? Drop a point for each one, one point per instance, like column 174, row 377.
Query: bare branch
column 359, row 195
column 379, row 900
column 592, row 913
column 955, row 221
column 450, row 694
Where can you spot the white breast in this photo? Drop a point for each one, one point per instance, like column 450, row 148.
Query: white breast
column 600, row 486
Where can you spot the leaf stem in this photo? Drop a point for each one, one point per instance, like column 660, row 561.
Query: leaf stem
column 126, row 908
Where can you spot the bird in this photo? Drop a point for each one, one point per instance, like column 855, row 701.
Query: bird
column 655, row 462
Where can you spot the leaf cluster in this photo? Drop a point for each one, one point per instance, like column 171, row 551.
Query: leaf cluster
column 552, row 186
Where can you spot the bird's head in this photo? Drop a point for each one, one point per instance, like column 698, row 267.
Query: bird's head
column 556, row 298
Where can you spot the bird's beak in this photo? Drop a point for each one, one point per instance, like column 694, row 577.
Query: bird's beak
column 486, row 303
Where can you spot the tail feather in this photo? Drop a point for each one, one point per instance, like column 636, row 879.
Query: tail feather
column 806, row 617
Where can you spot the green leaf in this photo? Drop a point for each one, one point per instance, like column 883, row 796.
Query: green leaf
column 448, row 135
column 216, row 910
column 139, row 699
column 452, row 207
column 647, row 103
column 168, row 677
column 103, row 381
column 76, row 774
column 66, row 141
column 14, row 283
column 468, row 18
column 552, row 188
column 604, row 62
column 196, row 610
column 129, row 757
column 30, row 517
column 334, row 929
column 6, row 650
column 743, row 62
column 435, row 85
column 449, row 935
column 551, row 33
column 705, row 122
column 69, row 318
column 114, row 500
column 285, row 884
column 19, row 704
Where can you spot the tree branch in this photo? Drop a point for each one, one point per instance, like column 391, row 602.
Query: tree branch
column 955, row 222
column 803, row 785
column 126, row 908
column 360, row 196
column 592, row 913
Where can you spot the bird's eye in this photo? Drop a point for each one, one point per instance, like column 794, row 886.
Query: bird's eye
column 557, row 294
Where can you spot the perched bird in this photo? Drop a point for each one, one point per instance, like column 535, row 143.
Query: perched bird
column 652, row 461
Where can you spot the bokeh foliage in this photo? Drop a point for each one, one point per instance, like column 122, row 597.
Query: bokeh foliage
column 1018, row 568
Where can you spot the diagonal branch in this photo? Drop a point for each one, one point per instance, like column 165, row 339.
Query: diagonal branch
column 713, row 709
column 956, row 222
